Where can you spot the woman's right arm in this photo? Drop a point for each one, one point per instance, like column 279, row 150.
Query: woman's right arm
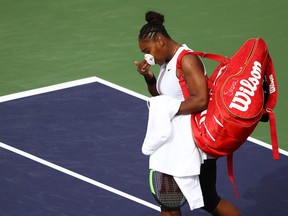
column 144, row 69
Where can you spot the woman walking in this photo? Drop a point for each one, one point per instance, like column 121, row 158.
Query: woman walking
column 155, row 40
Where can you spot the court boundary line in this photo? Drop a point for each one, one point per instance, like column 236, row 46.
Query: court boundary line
column 65, row 85
column 74, row 83
column 79, row 176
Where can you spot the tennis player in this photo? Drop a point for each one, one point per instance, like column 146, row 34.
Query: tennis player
column 163, row 50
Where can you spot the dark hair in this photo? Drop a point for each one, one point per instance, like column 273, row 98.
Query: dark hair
column 153, row 26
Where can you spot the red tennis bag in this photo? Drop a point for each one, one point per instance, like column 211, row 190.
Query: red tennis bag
column 243, row 89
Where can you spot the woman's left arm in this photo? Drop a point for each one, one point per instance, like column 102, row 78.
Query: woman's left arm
column 193, row 73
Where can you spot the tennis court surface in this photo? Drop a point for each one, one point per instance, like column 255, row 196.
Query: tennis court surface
column 75, row 149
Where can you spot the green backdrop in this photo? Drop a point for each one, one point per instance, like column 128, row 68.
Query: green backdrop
column 44, row 42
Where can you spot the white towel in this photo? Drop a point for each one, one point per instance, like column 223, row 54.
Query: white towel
column 169, row 140
column 171, row 147
column 162, row 110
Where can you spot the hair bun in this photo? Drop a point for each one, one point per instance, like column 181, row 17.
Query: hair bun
column 154, row 18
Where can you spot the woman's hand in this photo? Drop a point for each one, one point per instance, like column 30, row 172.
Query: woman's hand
column 144, row 69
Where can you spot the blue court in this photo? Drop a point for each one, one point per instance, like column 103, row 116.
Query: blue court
column 76, row 151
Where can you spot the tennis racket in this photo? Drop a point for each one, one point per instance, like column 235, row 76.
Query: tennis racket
column 165, row 190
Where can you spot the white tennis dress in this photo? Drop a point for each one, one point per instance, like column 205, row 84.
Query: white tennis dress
column 169, row 140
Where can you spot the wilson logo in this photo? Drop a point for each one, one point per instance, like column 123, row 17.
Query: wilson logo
column 272, row 87
column 242, row 98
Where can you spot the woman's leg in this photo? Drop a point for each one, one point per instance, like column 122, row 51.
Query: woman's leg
column 214, row 204
column 225, row 208
column 208, row 176
column 171, row 213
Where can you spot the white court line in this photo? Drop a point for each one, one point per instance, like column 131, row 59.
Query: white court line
column 47, row 89
column 120, row 88
column 78, row 176
column 266, row 145
column 68, row 85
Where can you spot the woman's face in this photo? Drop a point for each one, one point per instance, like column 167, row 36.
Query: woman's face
column 153, row 47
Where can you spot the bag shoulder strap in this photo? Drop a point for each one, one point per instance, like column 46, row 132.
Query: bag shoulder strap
column 271, row 103
column 182, row 82
column 216, row 57
column 231, row 173
column 212, row 56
